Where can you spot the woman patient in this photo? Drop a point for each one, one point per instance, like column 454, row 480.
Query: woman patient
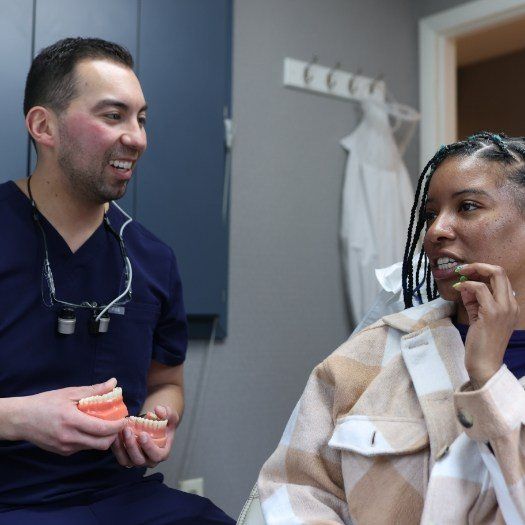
column 419, row 417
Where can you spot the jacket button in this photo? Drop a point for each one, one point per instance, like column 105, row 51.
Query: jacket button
column 465, row 419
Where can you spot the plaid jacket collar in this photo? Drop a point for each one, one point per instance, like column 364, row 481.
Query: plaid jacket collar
column 436, row 366
column 420, row 316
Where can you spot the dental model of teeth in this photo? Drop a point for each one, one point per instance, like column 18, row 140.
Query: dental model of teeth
column 109, row 406
column 152, row 425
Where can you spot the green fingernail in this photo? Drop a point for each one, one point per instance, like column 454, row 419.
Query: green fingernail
column 458, row 269
column 455, row 285
column 463, row 278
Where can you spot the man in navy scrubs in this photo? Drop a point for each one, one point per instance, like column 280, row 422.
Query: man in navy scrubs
column 61, row 257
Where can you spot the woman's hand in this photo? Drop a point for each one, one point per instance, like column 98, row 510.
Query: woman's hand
column 141, row 451
column 493, row 314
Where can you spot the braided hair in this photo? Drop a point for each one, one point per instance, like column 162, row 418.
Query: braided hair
column 508, row 151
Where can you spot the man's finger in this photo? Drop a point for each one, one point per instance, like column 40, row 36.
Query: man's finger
column 120, row 452
column 99, row 389
column 151, row 450
column 96, row 426
column 132, row 448
column 89, row 442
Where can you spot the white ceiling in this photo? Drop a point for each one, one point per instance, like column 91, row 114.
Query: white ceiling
column 489, row 43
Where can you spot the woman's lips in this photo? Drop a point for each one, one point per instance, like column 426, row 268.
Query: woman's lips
column 449, row 273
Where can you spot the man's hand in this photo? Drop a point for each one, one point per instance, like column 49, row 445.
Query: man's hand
column 142, row 451
column 52, row 421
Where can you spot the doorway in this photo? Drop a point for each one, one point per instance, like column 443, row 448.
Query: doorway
column 490, row 80
column 469, row 36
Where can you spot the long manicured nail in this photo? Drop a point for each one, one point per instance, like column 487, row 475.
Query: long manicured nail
column 463, row 278
column 456, row 286
column 458, row 269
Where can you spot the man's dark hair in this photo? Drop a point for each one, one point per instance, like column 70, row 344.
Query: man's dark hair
column 507, row 152
column 51, row 79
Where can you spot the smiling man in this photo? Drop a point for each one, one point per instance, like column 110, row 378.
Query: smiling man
column 89, row 298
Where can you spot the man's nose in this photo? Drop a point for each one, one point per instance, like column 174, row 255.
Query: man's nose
column 134, row 137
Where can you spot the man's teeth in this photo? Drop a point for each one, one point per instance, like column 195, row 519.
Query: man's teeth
column 445, row 263
column 114, row 395
column 122, row 164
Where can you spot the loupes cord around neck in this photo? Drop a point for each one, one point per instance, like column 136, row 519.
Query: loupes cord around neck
column 47, row 265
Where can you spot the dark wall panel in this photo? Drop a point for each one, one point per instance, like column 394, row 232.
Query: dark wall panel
column 185, row 73
column 15, row 56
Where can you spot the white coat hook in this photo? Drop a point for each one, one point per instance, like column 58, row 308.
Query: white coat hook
column 330, row 82
column 308, row 77
column 351, row 81
column 375, row 82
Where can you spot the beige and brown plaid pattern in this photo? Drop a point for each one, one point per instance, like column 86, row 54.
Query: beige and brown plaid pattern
column 375, row 437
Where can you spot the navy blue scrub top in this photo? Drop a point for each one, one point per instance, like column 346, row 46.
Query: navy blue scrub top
column 514, row 356
column 35, row 358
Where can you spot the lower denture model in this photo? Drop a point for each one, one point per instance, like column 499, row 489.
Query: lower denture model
column 111, row 406
column 152, row 425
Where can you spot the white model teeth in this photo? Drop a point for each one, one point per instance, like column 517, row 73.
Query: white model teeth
column 115, row 394
column 150, row 423
column 446, row 263
column 122, row 164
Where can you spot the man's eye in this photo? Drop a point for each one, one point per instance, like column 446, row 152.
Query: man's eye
column 113, row 116
column 142, row 121
column 468, row 206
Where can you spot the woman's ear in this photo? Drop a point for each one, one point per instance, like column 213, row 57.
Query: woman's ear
column 41, row 124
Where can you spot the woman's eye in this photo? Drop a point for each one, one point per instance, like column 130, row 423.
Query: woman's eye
column 429, row 216
column 468, row 206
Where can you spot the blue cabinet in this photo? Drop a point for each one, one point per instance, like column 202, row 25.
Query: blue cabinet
column 184, row 67
column 16, row 28
column 182, row 50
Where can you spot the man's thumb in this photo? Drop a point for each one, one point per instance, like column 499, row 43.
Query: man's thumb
column 98, row 389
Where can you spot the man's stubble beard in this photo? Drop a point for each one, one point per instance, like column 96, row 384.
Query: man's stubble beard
column 86, row 182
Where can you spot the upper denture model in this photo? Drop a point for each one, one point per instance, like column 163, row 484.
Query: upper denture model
column 109, row 406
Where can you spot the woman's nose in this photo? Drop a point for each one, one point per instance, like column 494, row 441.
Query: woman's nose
column 441, row 228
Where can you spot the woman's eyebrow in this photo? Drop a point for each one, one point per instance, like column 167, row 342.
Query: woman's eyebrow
column 471, row 191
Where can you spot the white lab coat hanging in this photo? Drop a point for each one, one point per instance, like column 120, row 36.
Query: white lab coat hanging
column 376, row 203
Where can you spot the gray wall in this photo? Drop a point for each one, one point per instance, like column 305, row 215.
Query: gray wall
column 430, row 7
column 287, row 309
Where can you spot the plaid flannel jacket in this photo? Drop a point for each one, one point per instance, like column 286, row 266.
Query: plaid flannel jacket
column 389, row 431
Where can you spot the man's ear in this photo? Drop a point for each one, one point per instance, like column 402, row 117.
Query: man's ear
column 41, row 124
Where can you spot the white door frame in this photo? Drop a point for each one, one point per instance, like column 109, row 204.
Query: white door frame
column 437, row 64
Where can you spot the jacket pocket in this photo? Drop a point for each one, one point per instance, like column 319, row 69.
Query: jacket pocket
column 374, row 435
column 384, row 463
